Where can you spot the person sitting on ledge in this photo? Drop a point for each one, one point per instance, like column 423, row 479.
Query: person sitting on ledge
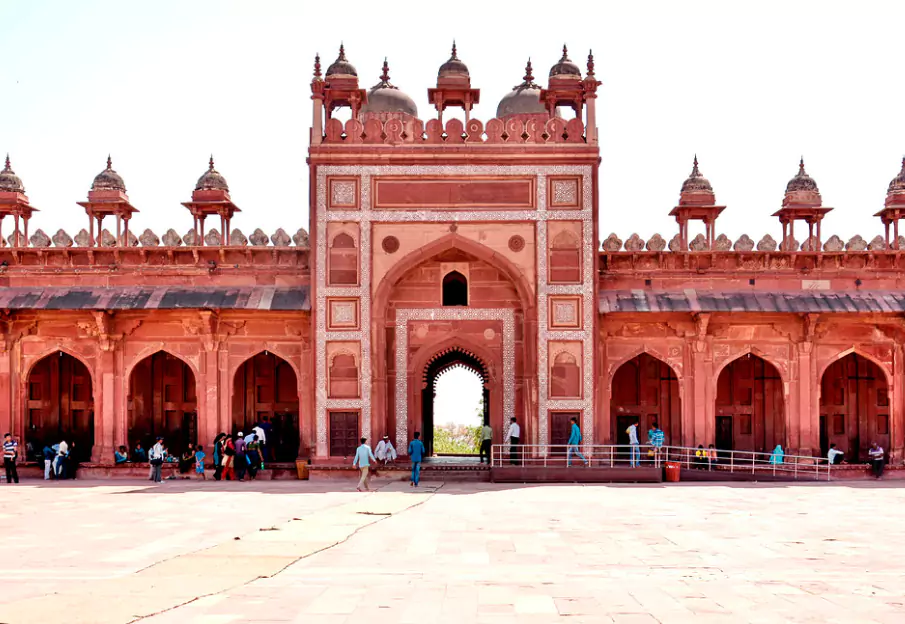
column 700, row 458
column 139, row 454
column 776, row 457
column 835, row 456
column 121, row 455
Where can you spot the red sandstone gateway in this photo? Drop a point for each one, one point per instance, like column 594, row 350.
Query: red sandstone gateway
column 442, row 244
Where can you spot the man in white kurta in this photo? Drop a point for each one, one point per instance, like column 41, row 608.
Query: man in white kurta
column 385, row 451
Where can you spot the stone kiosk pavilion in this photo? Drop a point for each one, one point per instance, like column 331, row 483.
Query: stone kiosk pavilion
column 438, row 242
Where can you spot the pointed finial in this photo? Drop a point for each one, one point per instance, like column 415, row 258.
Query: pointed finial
column 317, row 65
column 694, row 169
column 801, row 166
column 590, row 63
column 454, row 57
column 529, row 75
column 342, row 51
column 903, row 162
column 9, row 168
column 210, row 166
column 109, row 162
column 385, row 76
column 565, row 53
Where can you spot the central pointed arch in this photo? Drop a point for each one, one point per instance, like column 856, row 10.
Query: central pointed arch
column 645, row 389
column 750, row 405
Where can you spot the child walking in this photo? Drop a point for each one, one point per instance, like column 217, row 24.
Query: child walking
column 199, row 462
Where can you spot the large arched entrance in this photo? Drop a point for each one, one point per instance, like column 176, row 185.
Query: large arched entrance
column 854, row 407
column 60, row 404
column 163, row 402
column 265, row 390
column 749, row 406
column 645, row 389
column 444, row 361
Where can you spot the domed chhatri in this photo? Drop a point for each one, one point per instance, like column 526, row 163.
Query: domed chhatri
column 802, row 181
column 696, row 182
column 454, row 67
column 896, row 185
column 9, row 181
column 212, row 180
column 386, row 98
column 565, row 67
column 108, row 179
column 524, row 99
column 341, row 66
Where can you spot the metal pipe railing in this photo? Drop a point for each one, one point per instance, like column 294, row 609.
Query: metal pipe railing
column 614, row 455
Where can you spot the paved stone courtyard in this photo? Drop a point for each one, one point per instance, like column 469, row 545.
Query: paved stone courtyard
column 216, row 553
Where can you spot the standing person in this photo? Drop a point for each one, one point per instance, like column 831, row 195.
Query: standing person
column 155, row 458
column 515, row 433
column 253, row 455
column 48, row 461
column 218, row 455
column 72, row 462
column 656, row 437
column 362, row 461
column 229, row 457
column 486, row 442
column 712, row 456
column 877, row 459
column 10, row 455
column 59, row 462
column 635, row 446
column 199, row 462
column 240, row 460
column 186, row 460
column 574, row 441
column 267, row 441
column 834, row 455
column 416, row 454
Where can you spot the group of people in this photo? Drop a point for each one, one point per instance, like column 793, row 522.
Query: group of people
column 656, row 438
column 60, row 460
column 876, row 457
column 234, row 458
column 366, row 462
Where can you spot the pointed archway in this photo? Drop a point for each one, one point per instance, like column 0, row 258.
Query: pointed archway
column 854, row 407
column 645, row 389
column 163, row 401
column 750, row 410
column 60, row 404
column 442, row 362
column 265, row 392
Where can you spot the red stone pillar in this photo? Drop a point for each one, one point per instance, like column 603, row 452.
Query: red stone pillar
column 121, row 392
column 307, row 419
column 602, row 424
column 209, row 395
column 804, row 417
column 6, row 393
column 897, row 403
column 104, row 408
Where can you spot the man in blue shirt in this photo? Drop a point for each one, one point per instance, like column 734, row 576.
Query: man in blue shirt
column 574, row 441
column 416, row 454
column 362, row 461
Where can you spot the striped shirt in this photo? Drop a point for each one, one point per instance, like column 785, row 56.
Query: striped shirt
column 656, row 437
column 10, row 449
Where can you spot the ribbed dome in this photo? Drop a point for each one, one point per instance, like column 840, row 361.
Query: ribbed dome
column 9, row 181
column 524, row 99
column 897, row 183
column 341, row 66
column 565, row 66
column 453, row 67
column 108, row 180
column 385, row 98
column 696, row 181
column 802, row 181
column 212, row 180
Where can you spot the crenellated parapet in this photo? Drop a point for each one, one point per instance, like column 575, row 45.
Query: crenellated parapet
column 745, row 244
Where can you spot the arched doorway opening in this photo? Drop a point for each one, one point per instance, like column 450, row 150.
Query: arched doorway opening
column 749, row 406
column 647, row 390
column 60, row 404
column 854, row 407
column 163, row 401
column 265, row 390
column 455, row 289
column 466, row 406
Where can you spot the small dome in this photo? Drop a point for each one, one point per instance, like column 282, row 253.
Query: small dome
column 341, row 66
column 453, row 67
column 897, row 183
column 695, row 181
column 802, row 181
column 212, row 180
column 9, row 181
column 385, row 98
column 524, row 99
column 108, row 180
column 565, row 67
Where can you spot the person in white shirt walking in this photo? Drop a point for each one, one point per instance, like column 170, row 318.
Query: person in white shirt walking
column 362, row 461
column 156, row 457
column 515, row 436
column 59, row 462
column 632, row 432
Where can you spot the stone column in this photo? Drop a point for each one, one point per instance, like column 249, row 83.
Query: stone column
column 6, row 392
column 804, row 417
column 897, row 407
column 104, row 407
column 121, row 390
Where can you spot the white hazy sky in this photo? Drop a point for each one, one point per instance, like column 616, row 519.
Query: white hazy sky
column 748, row 86
column 458, row 398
